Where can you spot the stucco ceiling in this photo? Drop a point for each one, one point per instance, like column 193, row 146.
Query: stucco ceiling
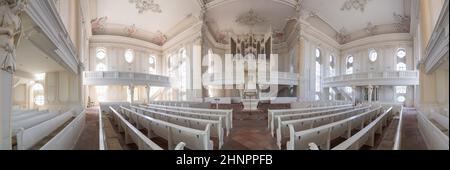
column 125, row 12
column 222, row 15
column 377, row 12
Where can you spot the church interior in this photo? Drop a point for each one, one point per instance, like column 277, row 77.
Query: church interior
column 224, row 75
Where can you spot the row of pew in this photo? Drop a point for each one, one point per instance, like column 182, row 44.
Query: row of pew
column 322, row 130
column 310, row 104
column 44, row 130
column 124, row 119
column 204, row 105
column 193, row 128
column 273, row 114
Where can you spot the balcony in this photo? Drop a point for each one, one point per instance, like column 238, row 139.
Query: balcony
column 388, row 78
column 273, row 78
column 102, row 78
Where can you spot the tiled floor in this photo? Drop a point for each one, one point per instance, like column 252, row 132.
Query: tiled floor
column 250, row 135
column 411, row 138
column 89, row 137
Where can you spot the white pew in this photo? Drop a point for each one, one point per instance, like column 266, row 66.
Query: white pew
column 104, row 106
column 323, row 135
column 225, row 122
column 131, row 133
column 28, row 115
column 366, row 135
column 27, row 138
column 272, row 113
column 279, row 118
column 228, row 113
column 68, row 137
column 200, row 124
column 19, row 112
column 284, row 130
column 33, row 121
column 193, row 138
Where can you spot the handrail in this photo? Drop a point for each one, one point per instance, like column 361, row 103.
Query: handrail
column 102, row 140
column 398, row 134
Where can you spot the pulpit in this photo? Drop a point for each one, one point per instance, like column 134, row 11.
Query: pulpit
column 250, row 100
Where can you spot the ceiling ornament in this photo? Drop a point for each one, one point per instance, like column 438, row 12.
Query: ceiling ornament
column 145, row 5
column 403, row 22
column 130, row 30
column 223, row 36
column 160, row 38
column 342, row 36
column 371, row 29
column 250, row 19
column 98, row 24
column 354, row 4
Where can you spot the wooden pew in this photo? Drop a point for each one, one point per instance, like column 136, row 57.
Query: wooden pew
column 272, row 113
column 227, row 113
column 68, row 137
column 28, row 115
column 283, row 130
column 279, row 118
column 193, row 138
column 32, row 121
column 27, row 138
column 20, row 112
column 223, row 118
column 366, row 135
column 200, row 124
column 132, row 134
column 322, row 135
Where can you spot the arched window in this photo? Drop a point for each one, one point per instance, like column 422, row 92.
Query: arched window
column 318, row 70
column 332, row 66
column 401, row 53
column 401, row 66
column 100, row 67
column 401, row 92
column 401, row 99
column 129, row 56
column 373, row 55
column 183, row 73
column 101, row 53
column 38, row 94
column 210, row 61
column 152, row 63
column 401, row 59
column 349, row 64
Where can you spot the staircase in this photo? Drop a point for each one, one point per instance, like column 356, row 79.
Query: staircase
column 341, row 90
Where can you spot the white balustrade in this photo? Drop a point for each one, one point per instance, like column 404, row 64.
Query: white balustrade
column 395, row 78
column 125, row 78
column 278, row 78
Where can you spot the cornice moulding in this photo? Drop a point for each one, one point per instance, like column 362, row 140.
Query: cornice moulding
column 113, row 39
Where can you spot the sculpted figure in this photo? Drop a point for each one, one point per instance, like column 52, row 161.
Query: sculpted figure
column 10, row 31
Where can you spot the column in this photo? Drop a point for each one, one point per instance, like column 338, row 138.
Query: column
column 9, row 37
column 369, row 91
column 197, row 85
column 147, row 88
column 354, row 94
column 5, row 109
column 131, row 88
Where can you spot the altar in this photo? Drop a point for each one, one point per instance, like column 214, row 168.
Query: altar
column 250, row 101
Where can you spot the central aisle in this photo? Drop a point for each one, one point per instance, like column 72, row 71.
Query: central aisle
column 250, row 135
